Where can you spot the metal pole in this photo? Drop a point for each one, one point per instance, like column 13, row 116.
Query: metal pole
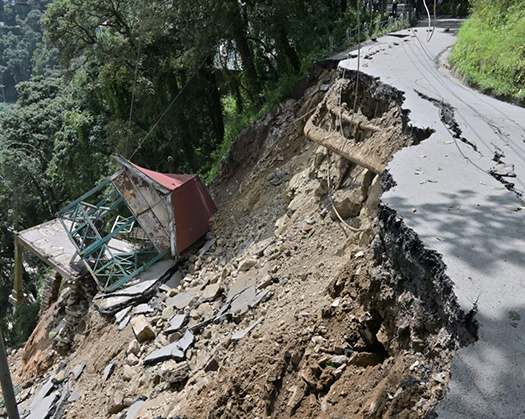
column 7, row 384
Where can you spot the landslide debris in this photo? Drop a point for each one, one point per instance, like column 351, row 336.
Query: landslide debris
column 284, row 311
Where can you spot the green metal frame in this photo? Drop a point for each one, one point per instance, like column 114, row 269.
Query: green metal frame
column 83, row 221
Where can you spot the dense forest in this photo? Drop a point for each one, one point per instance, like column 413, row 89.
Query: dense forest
column 168, row 84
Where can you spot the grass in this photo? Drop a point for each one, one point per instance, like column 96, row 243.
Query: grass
column 490, row 51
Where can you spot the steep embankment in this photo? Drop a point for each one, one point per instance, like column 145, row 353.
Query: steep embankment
column 351, row 319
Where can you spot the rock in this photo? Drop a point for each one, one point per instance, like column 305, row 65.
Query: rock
column 168, row 313
column 347, row 203
column 175, row 373
column 277, row 177
column 338, row 360
column 297, row 394
column 336, row 303
column 266, row 281
column 128, row 372
column 142, row 329
column 133, row 348
column 204, row 311
column 132, row 360
column 161, row 341
column 117, row 404
column 280, row 227
column 247, row 264
column 176, row 322
column 181, row 300
column 211, row 365
column 364, row 359
column 108, row 371
column 211, row 292
column 175, row 350
column 374, row 193
column 60, row 377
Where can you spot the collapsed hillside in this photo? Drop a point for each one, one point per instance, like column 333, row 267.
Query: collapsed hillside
column 291, row 311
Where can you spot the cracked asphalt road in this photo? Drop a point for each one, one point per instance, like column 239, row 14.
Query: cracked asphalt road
column 460, row 191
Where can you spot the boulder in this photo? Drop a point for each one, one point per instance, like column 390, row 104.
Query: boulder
column 247, row 264
column 142, row 329
column 133, row 347
column 347, row 203
column 174, row 373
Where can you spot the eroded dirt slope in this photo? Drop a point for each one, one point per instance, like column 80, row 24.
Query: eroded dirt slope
column 356, row 318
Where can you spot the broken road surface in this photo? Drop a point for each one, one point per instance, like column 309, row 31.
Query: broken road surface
column 460, row 190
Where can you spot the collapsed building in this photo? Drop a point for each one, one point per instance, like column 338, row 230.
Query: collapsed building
column 116, row 231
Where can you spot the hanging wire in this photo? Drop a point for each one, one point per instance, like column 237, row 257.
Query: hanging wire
column 430, row 32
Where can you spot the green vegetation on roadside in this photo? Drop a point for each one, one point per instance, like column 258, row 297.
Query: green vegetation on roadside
column 490, row 51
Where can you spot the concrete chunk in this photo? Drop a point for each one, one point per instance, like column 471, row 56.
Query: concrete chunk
column 78, row 370
column 186, row 341
column 174, row 350
column 176, row 322
column 180, row 301
column 142, row 329
column 171, row 351
column 134, row 411
column 122, row 314
column 211, row 292
column 247, row 264
column 42, row 409
column 143, row 309
column 44, row 391
column 243, row 301
column 125, row 321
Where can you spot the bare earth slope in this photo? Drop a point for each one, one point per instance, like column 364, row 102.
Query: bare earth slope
column 353, row 319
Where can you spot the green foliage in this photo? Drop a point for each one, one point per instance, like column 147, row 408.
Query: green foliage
column 23, row 323
column 490, row 51
column 19, row 37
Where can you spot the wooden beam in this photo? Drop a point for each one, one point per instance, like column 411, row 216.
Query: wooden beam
column 335, row 142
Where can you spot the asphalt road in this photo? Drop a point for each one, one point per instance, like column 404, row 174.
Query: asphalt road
column 455, row 191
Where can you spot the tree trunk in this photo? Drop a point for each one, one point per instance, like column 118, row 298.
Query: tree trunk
column 238, row 95
column 248, row 63
column 214, row 103
column 286, row 50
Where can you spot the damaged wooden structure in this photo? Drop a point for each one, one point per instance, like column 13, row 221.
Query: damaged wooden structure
column 120, row 228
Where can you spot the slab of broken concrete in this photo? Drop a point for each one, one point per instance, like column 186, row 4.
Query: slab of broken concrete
column 140, row 290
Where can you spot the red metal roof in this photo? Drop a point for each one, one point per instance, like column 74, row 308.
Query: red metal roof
column 169, row 181
column 191, row 203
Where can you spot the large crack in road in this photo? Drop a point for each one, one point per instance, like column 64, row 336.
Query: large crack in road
column 448, row 117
